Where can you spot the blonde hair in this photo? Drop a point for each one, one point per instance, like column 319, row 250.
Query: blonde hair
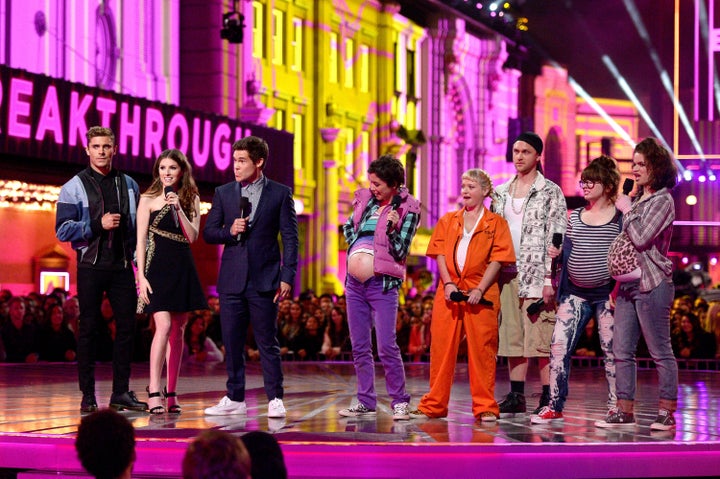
column 480, row 177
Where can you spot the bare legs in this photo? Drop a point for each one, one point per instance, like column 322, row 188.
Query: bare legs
column 519, row 366
column 167, row 347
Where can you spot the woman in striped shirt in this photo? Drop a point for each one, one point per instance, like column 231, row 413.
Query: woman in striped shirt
column 585, row 283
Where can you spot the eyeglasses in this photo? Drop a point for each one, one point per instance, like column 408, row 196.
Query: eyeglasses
column 588, row 184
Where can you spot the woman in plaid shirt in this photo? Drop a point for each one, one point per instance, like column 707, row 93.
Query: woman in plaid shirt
column 643, row 305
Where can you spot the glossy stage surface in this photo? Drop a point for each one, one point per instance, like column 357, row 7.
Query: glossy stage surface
column 39, row 414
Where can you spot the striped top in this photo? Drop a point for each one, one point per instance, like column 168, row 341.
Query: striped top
column 587, row 265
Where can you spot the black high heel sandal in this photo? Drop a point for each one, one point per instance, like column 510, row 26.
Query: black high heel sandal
column 157, row 410
column 175, row 408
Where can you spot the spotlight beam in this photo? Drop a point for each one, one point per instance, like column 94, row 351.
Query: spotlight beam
column 664, row 77
column 600, row 111
column 633, row 98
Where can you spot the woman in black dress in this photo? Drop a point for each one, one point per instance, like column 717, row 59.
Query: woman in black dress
column 168, row 220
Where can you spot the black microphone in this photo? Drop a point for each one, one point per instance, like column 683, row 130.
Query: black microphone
column 168, row 190
column 628, row 186
column 535, row 308
column 557, row 239
column 459, row 296
column 244, row 203
column 395, row 204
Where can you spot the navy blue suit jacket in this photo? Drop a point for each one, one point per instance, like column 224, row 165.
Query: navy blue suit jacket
column 256, row 258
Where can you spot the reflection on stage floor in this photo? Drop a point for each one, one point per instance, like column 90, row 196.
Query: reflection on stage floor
column 40, row 403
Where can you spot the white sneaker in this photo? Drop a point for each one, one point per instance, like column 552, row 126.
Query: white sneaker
column 226, row 406
column 276, row 408
column 358, row 410
column 401, row 412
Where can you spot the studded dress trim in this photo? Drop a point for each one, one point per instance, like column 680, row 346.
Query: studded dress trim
column 152, row 231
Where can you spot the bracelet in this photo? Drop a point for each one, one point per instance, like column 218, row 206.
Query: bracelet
column 449, row 282
column 481, row 291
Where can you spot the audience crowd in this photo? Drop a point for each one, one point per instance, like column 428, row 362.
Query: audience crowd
column 43, row 327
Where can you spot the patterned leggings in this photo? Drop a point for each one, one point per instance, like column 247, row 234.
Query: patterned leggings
column 572, row 316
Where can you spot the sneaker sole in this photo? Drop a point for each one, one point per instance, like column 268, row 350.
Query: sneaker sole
column 504, row 415
column 228, row 413
column 537, row 420
column 405, row 417
column 277, row 415
column 365, row 414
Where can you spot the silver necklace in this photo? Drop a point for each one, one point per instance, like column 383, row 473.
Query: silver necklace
column 512, row 190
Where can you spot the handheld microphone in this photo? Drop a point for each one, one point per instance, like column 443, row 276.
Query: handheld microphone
column 244, row 203
column 535, row 308
column 459, row 296
column 395, row 204
column 628, row 186
column 557, row 239
column 168, row 190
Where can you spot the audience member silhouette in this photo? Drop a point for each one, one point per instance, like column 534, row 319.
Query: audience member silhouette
column 265, row 454
column 216, row 454
column 105, row 445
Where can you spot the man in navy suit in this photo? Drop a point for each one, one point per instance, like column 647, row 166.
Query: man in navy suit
column 246, row 216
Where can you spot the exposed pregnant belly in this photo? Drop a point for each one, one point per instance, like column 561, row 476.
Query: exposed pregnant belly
column 361, row 266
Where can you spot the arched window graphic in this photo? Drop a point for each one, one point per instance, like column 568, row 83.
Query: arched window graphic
column 553, row 156
column 106, row 50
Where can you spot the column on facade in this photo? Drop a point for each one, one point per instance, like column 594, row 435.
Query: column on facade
column 434, row 92
column 387, row 124
column 329, row 245
column 209, row 69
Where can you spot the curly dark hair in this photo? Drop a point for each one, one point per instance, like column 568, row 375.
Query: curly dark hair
column 661, row 167
column 604, row 170
column 257, row 149
column 388, row 169
column 105, row 444
column 188, row 189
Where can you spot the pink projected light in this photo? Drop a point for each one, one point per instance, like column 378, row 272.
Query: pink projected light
column 18, row 108
column 50, row 118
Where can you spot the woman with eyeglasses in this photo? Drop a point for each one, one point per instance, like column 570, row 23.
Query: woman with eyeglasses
column 585, row 282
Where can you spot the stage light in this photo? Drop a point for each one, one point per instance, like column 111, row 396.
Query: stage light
column 713, row 261
column 687, row 175
column 685, row 260
column 233, row 25
column 702, row 178
column 691, row 200
column 711, row 175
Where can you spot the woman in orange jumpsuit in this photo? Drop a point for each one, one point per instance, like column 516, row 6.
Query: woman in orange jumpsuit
column 470, row 246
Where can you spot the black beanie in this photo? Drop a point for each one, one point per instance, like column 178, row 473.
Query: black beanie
column 533, row 140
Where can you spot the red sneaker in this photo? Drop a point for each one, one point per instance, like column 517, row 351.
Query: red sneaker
column 546, row 415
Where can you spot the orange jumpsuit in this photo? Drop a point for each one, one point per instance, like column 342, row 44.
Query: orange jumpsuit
column 491, row 241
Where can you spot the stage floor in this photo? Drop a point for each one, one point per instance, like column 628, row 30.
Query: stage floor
column 39, row 414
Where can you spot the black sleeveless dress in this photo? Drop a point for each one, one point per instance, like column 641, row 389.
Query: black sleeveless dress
column 170, row 268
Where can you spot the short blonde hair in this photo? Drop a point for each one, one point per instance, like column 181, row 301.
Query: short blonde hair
column 480, row 177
